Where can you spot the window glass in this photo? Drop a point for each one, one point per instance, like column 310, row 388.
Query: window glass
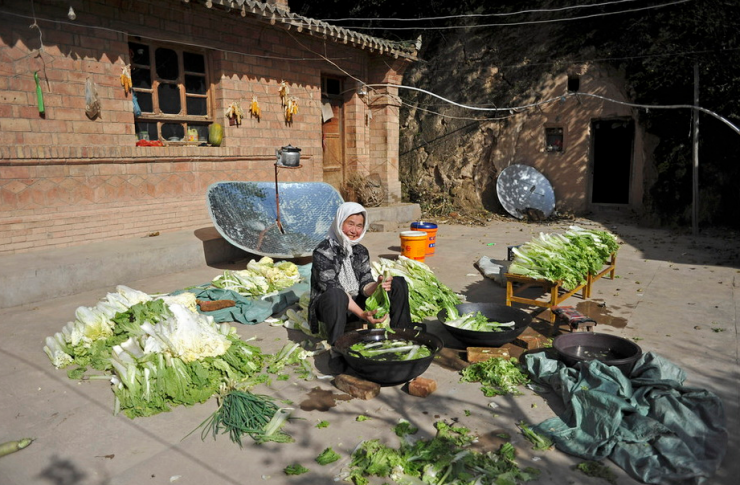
column 554, row 139
column 194, row 62
column 197, row 106
column 167, row 64
column 141, row 78
column 202, row 131
column 146, row 131
column 169, row 98
column 145, row 102
column 139, row 53
column 195, row 84
column 173, row 131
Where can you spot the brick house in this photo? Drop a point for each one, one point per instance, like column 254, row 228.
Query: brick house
column 77, row 172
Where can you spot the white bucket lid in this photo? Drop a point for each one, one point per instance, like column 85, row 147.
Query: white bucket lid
column 414, row 234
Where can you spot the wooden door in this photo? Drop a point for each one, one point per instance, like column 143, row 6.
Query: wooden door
column 333, row 143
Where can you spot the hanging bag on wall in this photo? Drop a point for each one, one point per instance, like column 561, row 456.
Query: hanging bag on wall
column 92, row 103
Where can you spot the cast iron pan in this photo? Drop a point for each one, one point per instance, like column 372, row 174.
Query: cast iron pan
column 492, row 311
column 387, row 373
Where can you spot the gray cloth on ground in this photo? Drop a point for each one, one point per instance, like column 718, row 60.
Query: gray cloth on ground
column 649, row 424
column 493, row 268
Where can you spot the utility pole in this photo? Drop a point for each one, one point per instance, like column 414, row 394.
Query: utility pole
column 695, row 168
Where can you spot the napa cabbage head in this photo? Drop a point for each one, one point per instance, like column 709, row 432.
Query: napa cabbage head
column 190, row 336
column 131, row 296
column 186, row 299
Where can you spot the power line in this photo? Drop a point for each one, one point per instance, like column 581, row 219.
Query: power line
column 479, row 15
column 513, row 109
column 512, row 24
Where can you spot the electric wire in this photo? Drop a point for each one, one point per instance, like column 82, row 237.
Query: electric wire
column 477, row 15
column 514, row 24
column 512, row 109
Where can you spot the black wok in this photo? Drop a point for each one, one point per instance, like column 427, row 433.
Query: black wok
column 609, row 349
column 493, row 312
column 387, row 373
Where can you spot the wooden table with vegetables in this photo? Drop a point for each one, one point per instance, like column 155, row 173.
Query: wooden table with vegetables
column 561, row 265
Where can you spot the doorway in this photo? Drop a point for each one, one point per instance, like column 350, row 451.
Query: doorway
column 332, row 108
column 611, row 163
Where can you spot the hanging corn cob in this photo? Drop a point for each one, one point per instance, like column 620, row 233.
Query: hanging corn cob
column 126, row 79
column 254, row 108
column 291, row 108
column 234, row 112
column 284, row 92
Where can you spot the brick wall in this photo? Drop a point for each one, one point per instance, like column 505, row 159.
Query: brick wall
column 67, row 180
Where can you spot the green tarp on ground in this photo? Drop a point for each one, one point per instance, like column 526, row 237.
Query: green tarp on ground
column 252, row 310
column 649, row 424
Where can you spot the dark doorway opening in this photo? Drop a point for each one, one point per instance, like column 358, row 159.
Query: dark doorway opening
column 613, row 142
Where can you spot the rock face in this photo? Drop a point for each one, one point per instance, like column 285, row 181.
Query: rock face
column 515, row 90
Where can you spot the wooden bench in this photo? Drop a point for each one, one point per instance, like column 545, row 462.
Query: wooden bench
column 516, row 284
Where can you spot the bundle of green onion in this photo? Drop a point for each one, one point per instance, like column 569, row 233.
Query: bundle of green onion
column 244, row 413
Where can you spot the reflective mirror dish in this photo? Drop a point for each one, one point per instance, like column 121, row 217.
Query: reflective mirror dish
column 522, row 188
column 245, row 214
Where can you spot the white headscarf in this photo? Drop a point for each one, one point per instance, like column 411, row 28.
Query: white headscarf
column 335, row 231
column 347, row 278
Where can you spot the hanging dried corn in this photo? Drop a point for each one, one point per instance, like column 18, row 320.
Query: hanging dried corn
column 254, row 108
column 126, row 79
column 291, row 108
column 235, row 113
column 284, row 92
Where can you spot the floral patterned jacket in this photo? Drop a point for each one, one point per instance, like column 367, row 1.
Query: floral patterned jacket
column 327, row 261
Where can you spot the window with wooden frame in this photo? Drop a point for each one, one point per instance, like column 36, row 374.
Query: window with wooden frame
column 170, row 84
column 554, row 139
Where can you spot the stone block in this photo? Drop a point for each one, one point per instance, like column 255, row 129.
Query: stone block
column 356, row 387
column 422, row 387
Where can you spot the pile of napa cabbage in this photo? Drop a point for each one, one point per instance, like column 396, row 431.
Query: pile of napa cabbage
column 260, row 278
column 158, row 351
column 567, row 257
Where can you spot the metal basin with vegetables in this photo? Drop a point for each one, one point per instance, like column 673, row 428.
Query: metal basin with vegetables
column 503, row 334
column 391, row 367
column 586, row 346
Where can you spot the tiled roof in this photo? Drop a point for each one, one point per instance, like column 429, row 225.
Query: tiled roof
column 277, row 14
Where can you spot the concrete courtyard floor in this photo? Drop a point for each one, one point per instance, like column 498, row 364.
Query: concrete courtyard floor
column 676, row 295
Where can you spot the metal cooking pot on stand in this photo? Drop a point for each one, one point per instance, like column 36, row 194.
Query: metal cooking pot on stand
column 288, row 156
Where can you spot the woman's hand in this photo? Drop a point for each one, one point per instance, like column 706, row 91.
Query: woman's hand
column 371, row 287
column 385, row 282
column 369, row 317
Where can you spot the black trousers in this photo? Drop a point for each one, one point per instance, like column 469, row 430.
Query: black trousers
column 331, row 308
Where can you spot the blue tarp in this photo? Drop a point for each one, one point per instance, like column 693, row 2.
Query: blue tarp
column 649, row 424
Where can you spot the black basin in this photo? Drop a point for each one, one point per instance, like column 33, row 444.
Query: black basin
column 586, row 346
column 387, row 373
column 493, row 312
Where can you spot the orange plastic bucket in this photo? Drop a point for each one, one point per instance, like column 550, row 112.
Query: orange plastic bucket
column 431, row 231
column 414, row 245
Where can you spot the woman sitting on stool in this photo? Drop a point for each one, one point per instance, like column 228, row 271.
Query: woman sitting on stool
column 341, row 278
